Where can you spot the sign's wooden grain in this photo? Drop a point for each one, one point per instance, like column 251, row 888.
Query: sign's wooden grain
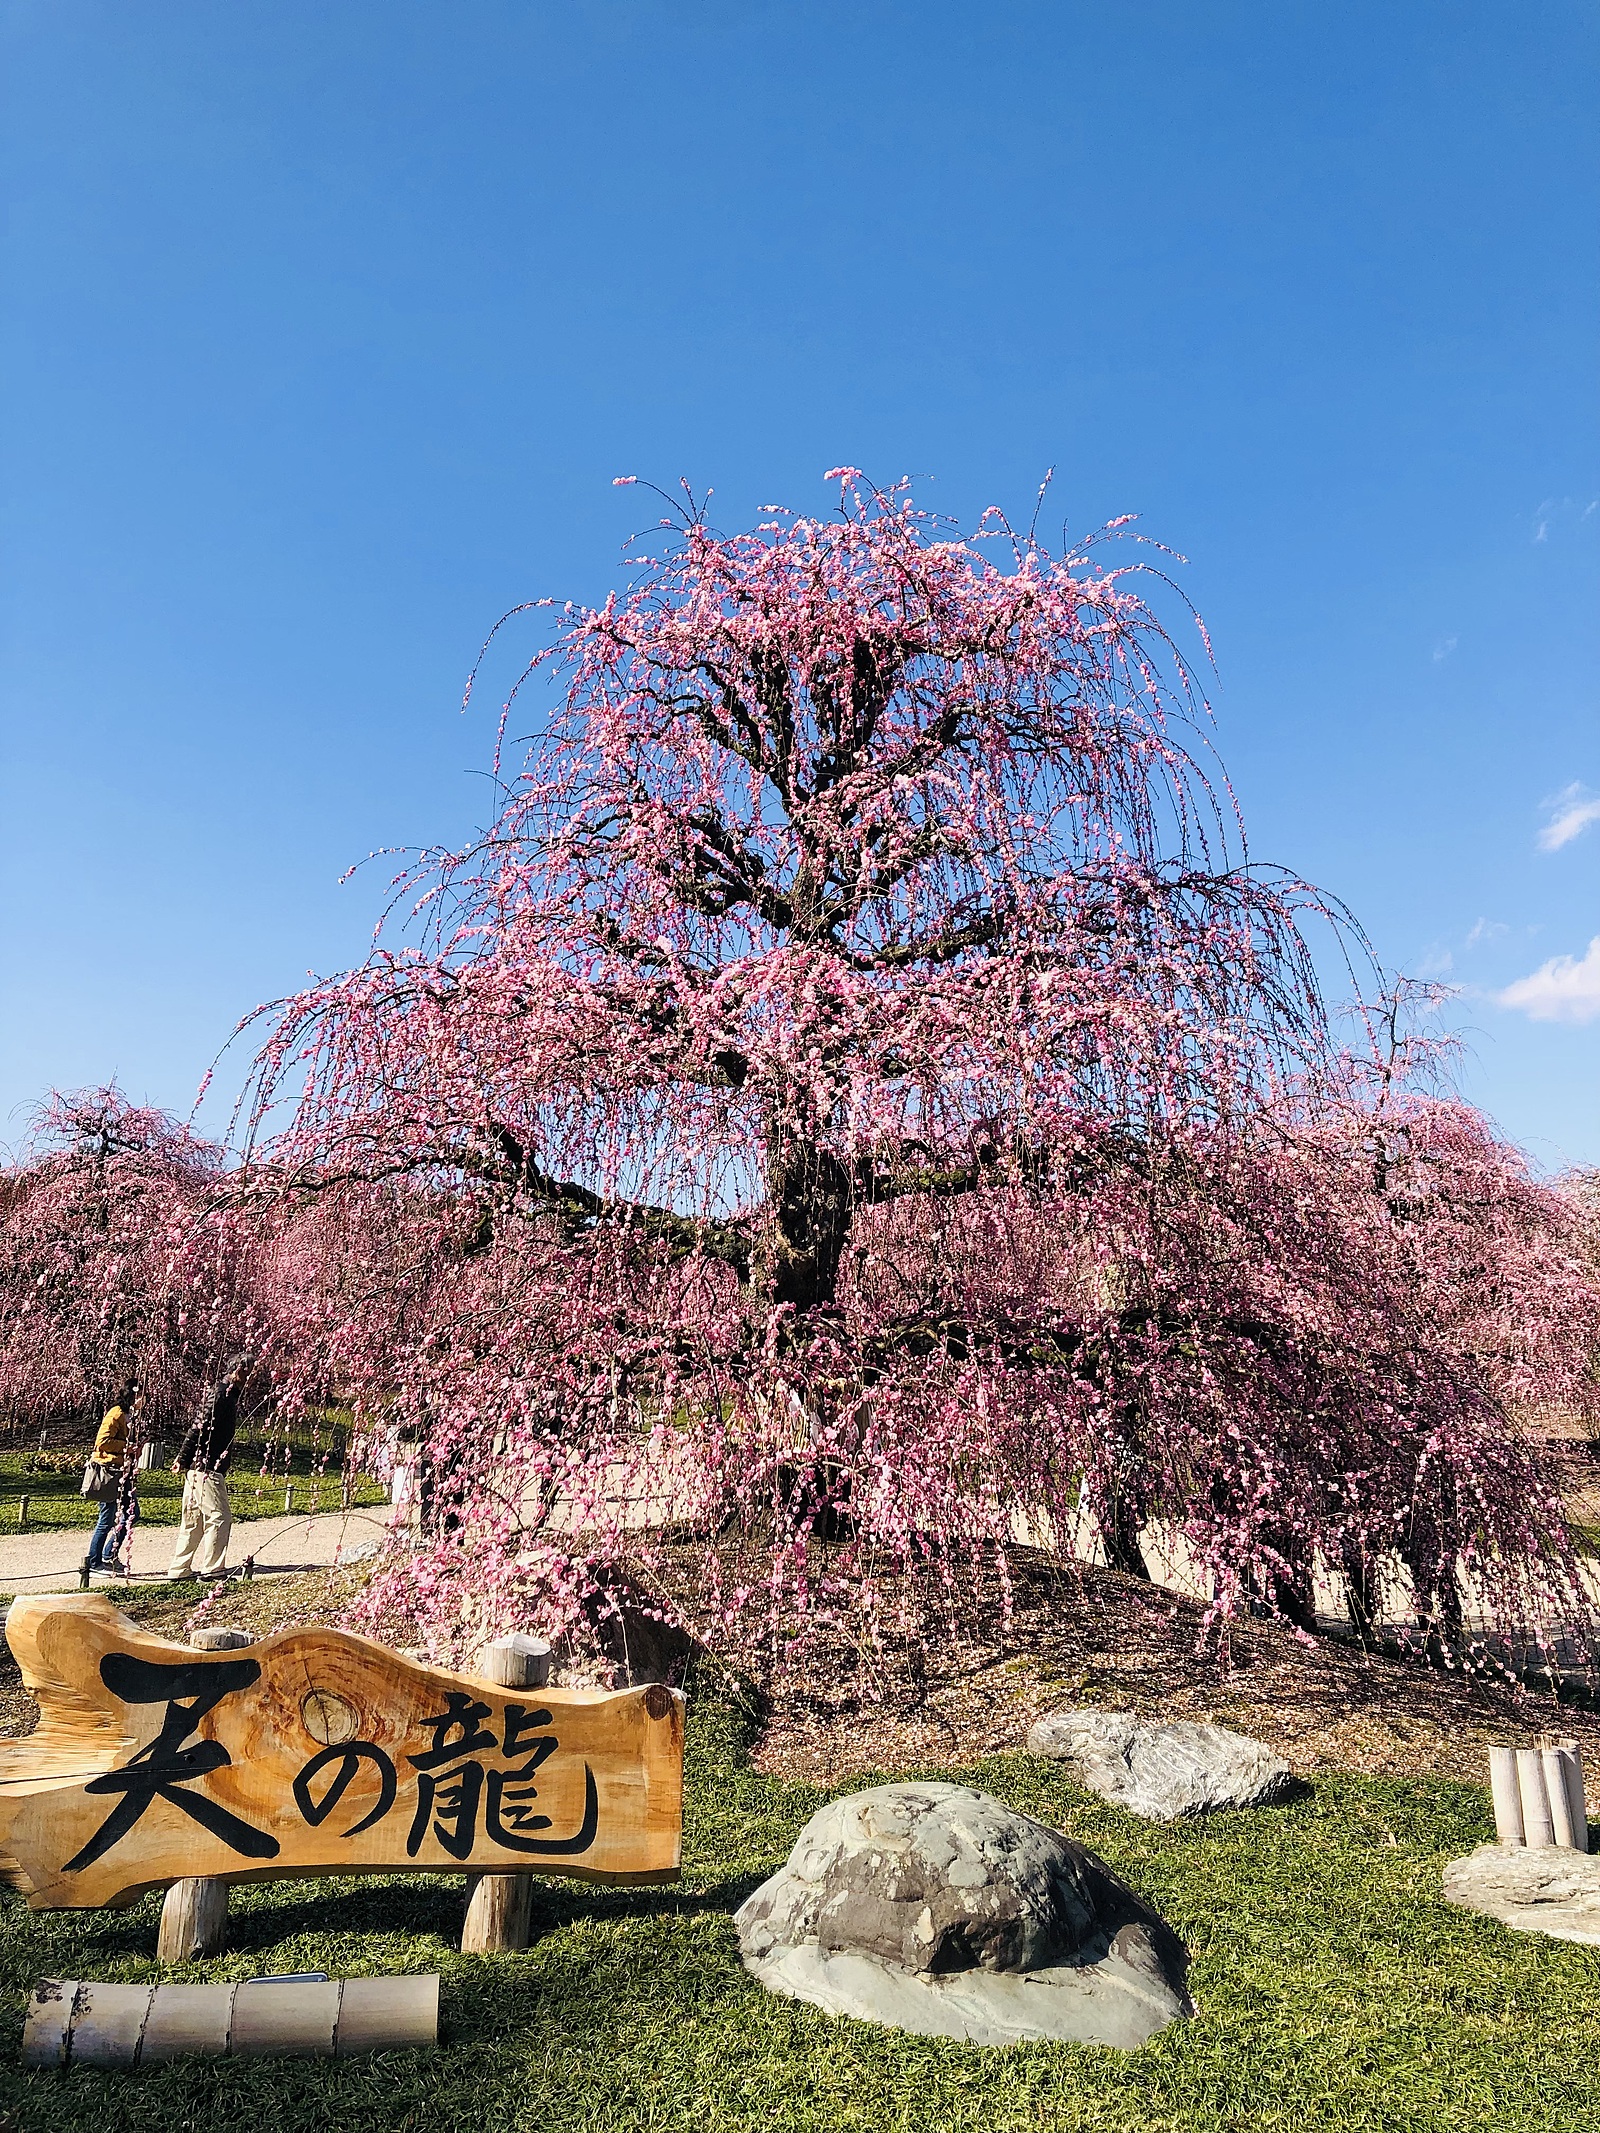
column 315, row 1752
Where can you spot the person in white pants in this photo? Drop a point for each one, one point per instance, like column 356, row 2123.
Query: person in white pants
column 203, row 1528
column 203, row 1459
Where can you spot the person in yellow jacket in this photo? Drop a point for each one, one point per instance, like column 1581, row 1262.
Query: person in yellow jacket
column 112, row 1464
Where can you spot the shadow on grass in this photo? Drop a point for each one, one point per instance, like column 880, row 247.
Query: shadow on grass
column 434, row 1909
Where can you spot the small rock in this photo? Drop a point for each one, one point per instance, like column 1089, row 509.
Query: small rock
column 1162, row 1772
column 1544, row 1890
column 934, row 1908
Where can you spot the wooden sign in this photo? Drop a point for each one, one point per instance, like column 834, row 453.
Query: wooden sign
column 315, row 1752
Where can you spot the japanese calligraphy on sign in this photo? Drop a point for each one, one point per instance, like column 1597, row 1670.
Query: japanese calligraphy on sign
column 315, row 1752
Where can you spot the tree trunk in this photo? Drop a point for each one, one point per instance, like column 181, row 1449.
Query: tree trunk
column 1360, row 1591
column 1120, row 1531
column 812, row 1196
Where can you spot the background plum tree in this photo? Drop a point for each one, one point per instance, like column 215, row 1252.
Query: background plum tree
column 118, row 1256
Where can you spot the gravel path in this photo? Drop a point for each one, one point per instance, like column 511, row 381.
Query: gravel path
column 49, row 1562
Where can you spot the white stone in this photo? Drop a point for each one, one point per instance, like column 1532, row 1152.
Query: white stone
column 1162, row 1772
column 933, row 1908
column 1545, row 1890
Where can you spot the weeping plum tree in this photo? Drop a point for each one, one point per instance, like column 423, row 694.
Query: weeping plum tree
column 119, row 1256
column 858, row 1104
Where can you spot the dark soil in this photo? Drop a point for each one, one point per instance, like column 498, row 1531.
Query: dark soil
column 1083, row 1635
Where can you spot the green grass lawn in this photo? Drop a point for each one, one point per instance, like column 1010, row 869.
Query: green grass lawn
column 1335, row 1988
column 54, row 1504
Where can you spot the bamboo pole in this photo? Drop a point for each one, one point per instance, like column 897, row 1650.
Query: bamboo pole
column 387, row 2014
column 1507, row 1799
column 1557, row 1793
column 500, row 1906
column 186, row 2020
column 107, row 2021
column 1570, row 1756
column 296, row 2016
column 1538, row 1829
column 73, row 2023
column 194, row 1915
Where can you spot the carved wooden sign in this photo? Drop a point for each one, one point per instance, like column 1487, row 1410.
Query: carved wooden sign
column 315, row 1752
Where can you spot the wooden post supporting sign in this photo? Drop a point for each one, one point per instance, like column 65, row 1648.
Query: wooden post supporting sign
column 500, row 1907
column 194, row 1916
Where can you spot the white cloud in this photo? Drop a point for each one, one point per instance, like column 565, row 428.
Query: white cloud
column 1557, row 512
column 1571, row 812
column 1487, row 929
column 1444, row 648
column 1563, row 990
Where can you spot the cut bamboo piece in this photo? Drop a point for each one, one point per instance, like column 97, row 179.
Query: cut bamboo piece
column 49, row 2018
column 285, row 2015
column 1577, row 1804
column 1579, row 1801
column 1557, row 1793
column 385, row 2014
column 185, row 2019
column 1507, row 1799
column 1538, row 1829
column 107, row 2021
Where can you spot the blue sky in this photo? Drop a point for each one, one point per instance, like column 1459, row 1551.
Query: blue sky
column 327, row 327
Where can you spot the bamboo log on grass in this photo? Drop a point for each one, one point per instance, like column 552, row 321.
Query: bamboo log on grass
column 81, row 2023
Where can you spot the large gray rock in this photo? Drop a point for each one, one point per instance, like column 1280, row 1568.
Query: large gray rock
column 1546, row 1890
column 1162, row 1772
column 933, row 1908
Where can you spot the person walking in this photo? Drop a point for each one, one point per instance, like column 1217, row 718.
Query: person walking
column 108, row 1481
column 203, row 1459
